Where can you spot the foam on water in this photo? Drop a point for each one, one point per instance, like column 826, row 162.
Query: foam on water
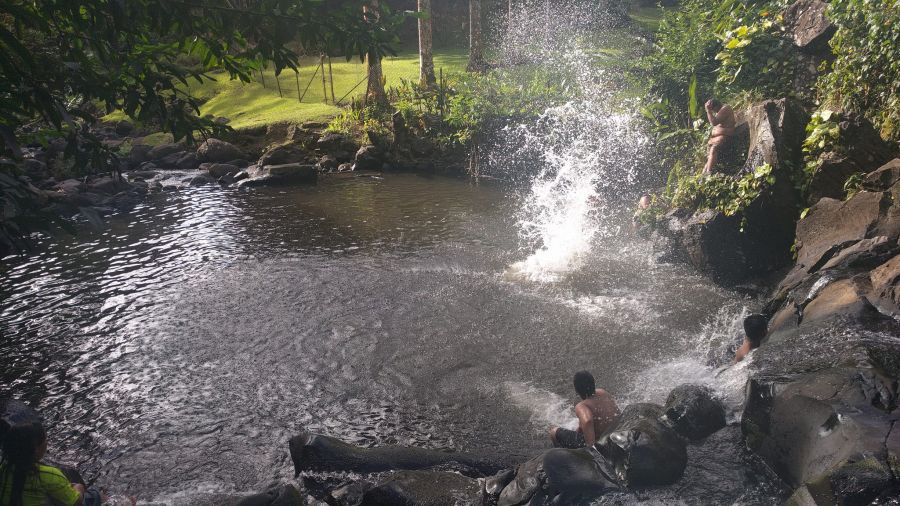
column 546, row 408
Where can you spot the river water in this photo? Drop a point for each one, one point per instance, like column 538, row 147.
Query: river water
column 174, row 352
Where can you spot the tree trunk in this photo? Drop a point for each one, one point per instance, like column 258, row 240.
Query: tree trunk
column 376, row 93
column 426, row 58
column 476, row 47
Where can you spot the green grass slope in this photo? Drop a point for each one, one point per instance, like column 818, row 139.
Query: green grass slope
column 248, row 105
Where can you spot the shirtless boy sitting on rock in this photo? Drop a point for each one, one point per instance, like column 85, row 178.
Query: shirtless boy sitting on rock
column 596, row 413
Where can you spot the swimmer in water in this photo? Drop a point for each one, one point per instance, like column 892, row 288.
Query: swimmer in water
column 755, row 329
column 597, row 412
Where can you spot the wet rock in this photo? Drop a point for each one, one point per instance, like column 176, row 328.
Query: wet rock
column 884, row 177
column 808, row 27
column 694, row 411
column 218, row 151
column 842, row 297
column 107, row 184
column 328, row 163
column 885, row 282
column 164, row 150
column 217, row 170
column 170, row 161
column 283, row 155
column 200, row 180
column 240, row 176
column 144, row 174
column 643, row 450
column 368, row 158
column 345, row 167
column 314, row 452
column 557, row 476
column 823, row 421
column 278, row 175
column 424, row 488
column 187, row 162
column 280, row 495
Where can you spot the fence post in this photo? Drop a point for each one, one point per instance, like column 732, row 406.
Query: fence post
column 441, row 93
column 297, row 78
column 324, row 88
column 331, row 80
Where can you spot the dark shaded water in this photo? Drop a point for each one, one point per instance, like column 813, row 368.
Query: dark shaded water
column 175, row 352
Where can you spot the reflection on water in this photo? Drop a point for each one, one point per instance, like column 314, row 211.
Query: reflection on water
column 178, row 349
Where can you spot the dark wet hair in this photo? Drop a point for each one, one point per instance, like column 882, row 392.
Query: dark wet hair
column 716, row 105
column 20, row 444
column 756, row 326
column 584, row 384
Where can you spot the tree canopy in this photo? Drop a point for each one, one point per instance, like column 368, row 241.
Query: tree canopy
column 61, row 60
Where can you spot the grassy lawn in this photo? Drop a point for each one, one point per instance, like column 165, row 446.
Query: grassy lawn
column 250, row 104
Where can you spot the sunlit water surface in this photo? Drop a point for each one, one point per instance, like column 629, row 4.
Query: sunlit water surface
column 176, row 351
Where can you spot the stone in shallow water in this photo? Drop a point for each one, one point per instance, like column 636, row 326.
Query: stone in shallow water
column 694, row 411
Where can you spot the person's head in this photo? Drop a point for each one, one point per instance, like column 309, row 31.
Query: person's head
column 714, row 104
column 584, row 384
column 644, row 201
column 22, row 447
column 756, row 326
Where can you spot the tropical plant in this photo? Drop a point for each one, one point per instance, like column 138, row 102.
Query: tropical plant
column 865, row 76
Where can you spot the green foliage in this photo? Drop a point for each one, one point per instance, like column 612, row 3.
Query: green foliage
column 853, row 184
column 757, row 57
column 822, row 135
column 720, row 192
column 865, row 75
column 699, row 192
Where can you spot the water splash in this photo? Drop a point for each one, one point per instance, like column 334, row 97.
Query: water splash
column 589, row 150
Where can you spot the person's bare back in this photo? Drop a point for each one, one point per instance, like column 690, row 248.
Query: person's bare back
column 597, row 412
column 596, row 415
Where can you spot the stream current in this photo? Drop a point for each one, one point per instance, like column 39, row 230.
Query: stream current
column 176, row 351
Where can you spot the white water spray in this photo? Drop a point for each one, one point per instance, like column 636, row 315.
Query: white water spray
column 590, row 150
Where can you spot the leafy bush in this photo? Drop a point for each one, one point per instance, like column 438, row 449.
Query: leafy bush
column 823, row 134
column 757, row 57
column 865, row 75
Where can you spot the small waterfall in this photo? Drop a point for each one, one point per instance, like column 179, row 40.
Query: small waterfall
column 591, row 149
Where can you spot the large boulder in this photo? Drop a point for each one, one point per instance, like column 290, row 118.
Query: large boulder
column 368, row 158
column 644, row 451
column 757, row 242
column 557, row 476
column 338, row 145
column 163, row 150
column 821, row 406
column 808, row 27
column 217, row 170
column 694, row 411
column 215, row 150
column 284, row 154
column 314, row 452
column 279, row 175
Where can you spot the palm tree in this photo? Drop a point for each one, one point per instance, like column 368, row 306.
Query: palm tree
column 375, row 89
column 476, row 48
column 426, row 58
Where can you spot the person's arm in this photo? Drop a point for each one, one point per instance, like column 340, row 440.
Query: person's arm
column 58, row 487
column 586, row 424
column 742, row 351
